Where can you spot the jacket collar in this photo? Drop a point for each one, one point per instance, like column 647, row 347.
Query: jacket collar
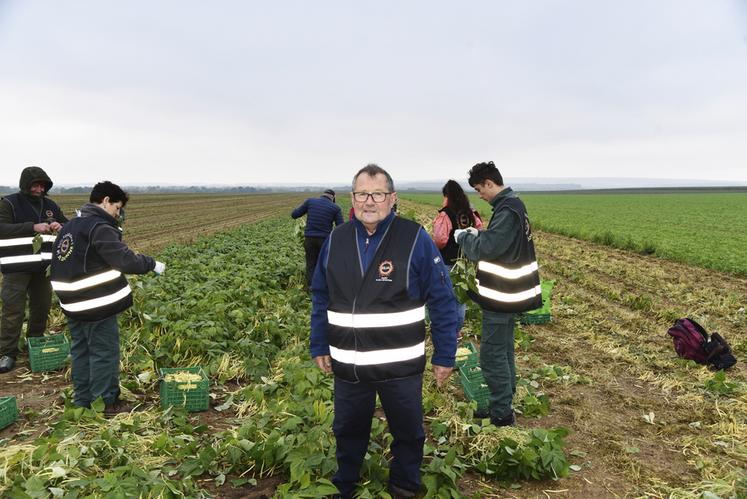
column 90, row 209
column 507, row 192
column 380, row 229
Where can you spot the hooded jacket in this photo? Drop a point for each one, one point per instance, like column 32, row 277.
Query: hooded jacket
column 18, row 214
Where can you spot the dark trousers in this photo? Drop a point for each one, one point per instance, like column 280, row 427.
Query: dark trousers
column 313, row 246
column 497, row 361
column 95, row 353
column 16, row 288
column 354, row 408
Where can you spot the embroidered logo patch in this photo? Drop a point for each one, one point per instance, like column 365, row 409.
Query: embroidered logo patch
column 65, row 247
column 50, row 214
column 385, row 271
column 528, row 228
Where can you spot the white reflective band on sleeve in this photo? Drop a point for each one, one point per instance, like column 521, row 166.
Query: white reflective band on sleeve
column 20, row 241
column 505, row 273
column 376, row 320
column 377, row 356
column 9, row 260
column 508, row 297
column 87, row 282
column 96, row 302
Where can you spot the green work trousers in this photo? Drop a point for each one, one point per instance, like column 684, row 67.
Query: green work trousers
column 95, row 353
column 17, row 289
column 497, row 361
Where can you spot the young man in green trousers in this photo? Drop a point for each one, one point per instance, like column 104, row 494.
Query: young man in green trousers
column 88, row 266
column 507, row 283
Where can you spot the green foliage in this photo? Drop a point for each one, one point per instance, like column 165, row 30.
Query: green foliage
column 675, row 226
column 463, row 278
column 718, row 385
column 542, row 457
column 529, row 401
column 36, row 243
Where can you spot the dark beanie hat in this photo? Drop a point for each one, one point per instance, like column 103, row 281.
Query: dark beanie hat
column 330, row 192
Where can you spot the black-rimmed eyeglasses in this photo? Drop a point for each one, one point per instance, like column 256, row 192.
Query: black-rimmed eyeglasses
column 378, row 197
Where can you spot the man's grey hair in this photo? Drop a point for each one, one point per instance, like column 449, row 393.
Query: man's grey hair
column 372, row 169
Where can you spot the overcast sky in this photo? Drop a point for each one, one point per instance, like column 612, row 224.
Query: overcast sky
column 243, row 92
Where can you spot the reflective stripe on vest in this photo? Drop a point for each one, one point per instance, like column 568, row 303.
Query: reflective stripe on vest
column 99, row 302
column 19, row 241
column 39, row 257
column 376, row 320
column 86, row 282
column 377, row 356
column 507, row 273
column 508, row 297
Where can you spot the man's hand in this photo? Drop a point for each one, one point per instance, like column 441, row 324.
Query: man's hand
column 55, row 226
column 41, row 228
column 441, row 373
column 324, row 362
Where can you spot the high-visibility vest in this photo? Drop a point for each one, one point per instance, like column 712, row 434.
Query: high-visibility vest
column 17, row 253
column 376, row 331
column 514, row 286
column 88, row 288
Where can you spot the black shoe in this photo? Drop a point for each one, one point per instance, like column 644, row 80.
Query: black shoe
column 507, row 420
column 481, row 413
column 400, row 493
column 116, row 408
column 7, row 363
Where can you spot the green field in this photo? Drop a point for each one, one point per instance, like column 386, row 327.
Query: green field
column 704, row 229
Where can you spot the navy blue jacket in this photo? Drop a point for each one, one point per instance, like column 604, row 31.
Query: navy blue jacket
column 322, row 211
column 428, row 281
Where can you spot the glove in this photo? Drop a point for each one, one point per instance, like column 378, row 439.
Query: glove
column 159, row 268
column 469, row 230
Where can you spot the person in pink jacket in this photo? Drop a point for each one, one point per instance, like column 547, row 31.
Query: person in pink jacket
column 456, row 213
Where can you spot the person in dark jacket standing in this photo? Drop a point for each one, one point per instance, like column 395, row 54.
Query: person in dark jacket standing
column 23, row 216
column 507, row 282
column 321, row 213
column 375, row 276
column 88, row 266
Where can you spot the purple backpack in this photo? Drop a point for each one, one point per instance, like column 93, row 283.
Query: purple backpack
column 689, row 340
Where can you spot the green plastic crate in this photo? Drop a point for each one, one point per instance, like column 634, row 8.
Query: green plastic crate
column 48, row 353
column 192, row 395
column 535, row 318
column 471, row 359
column 8, row 411
column 474, row 385
column 543, row 314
